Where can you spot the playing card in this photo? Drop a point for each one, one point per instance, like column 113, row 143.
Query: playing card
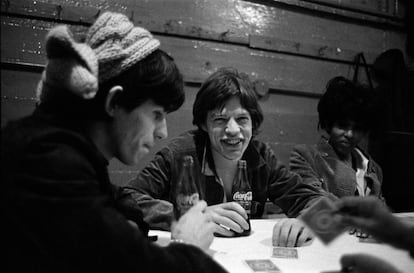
column 265, row 265
column 320, row 218
column 284, row 252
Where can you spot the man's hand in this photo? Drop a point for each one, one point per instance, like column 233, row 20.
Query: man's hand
column 373, row 217
column 363, row 263
column 290, row 232
column 228, row 216
column 195, row 227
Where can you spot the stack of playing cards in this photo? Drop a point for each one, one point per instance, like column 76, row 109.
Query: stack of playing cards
column 263, row 266
column 320, row 218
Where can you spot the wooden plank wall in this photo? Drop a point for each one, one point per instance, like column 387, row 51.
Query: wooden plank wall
column 290, row 46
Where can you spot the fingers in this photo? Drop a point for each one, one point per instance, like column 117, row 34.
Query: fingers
column 305, row 237
column 227, row 215
column 281, row 232
column 223, row 230
column 357, row 206
column 233, row 206
column 276, row 232
column 291, row 233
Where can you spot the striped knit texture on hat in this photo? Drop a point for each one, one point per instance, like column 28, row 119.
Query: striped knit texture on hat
column 70, row 66
column 118, row 44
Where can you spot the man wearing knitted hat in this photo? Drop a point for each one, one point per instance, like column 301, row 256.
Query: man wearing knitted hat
column 102, row 99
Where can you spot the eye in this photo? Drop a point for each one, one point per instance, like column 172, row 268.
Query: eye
column 342, row 124
column 159, row 115
column 219, row 120
column 243, row 119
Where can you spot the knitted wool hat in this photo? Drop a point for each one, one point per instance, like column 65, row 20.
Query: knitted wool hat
column 112, row 46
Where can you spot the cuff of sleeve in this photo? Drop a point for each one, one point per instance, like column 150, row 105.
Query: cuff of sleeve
column 179, row 241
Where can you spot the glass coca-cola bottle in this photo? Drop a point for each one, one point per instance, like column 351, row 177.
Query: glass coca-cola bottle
column 186, row 192
column 242, row 192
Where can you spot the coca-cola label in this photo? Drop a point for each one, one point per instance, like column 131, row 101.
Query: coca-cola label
column 243, row 196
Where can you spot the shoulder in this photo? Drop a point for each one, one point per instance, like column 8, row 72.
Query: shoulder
column 41, row 149
column 189, row 142
column 263, row 154
column 183, row 141
column 304, row 150
column 265, row 150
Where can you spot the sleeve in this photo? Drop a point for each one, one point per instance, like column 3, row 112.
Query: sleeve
column 301, row 162
column 150, row 191
column 59, row 217
column 287, row 190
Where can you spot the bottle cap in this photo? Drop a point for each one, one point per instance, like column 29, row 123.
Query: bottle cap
column 188, row 159
column 242, row 163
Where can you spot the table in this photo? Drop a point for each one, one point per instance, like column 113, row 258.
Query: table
column 316, row 257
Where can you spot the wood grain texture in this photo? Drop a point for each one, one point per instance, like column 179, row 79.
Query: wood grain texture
column 293, row 46
column 234, row 22
column 196, row 58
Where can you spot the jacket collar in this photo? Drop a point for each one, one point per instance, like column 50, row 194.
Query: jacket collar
column 326, row 150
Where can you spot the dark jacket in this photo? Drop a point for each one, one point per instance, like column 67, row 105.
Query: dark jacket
column 152, row 189
column 58, row 211
column 319, row 165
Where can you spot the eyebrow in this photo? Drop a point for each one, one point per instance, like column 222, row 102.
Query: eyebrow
column 214, row 115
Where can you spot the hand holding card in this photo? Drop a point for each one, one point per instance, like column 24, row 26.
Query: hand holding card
column 320, row 218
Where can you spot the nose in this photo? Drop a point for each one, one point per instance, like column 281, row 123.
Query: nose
column 161, row 131
column 349, row 132
column 232, row 127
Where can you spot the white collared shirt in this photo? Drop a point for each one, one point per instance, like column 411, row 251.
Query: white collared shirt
column 362, row 168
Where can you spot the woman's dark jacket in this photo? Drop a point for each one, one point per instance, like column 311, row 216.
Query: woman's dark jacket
column 319, row 165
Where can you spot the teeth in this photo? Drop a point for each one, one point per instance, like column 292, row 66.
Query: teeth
column 232, row 141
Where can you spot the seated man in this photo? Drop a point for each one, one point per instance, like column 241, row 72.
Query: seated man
column 337, row 164
column 102, row 99
column 228, row 117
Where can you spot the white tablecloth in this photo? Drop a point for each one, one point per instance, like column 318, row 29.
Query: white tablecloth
column 316, row 257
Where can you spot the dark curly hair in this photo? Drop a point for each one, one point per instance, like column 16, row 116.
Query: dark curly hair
column 345, row 100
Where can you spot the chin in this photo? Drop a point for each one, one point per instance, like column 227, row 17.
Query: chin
column 233, row 156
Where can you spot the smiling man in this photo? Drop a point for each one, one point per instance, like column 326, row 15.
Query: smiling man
column 228, row 116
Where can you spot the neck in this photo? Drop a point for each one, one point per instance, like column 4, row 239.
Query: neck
column 223, row 163
column 226, row 170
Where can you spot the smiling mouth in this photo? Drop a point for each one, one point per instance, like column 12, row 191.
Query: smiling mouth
column 345, row 143
column 232, row 142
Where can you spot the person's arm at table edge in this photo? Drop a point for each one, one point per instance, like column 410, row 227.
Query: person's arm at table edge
column 289, row 192
column 302, row 162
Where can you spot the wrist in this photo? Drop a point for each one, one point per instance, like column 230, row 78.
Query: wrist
column 176, row 236
column 179, row 241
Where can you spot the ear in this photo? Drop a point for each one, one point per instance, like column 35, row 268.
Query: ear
column 204, row 127
column 111, row 99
